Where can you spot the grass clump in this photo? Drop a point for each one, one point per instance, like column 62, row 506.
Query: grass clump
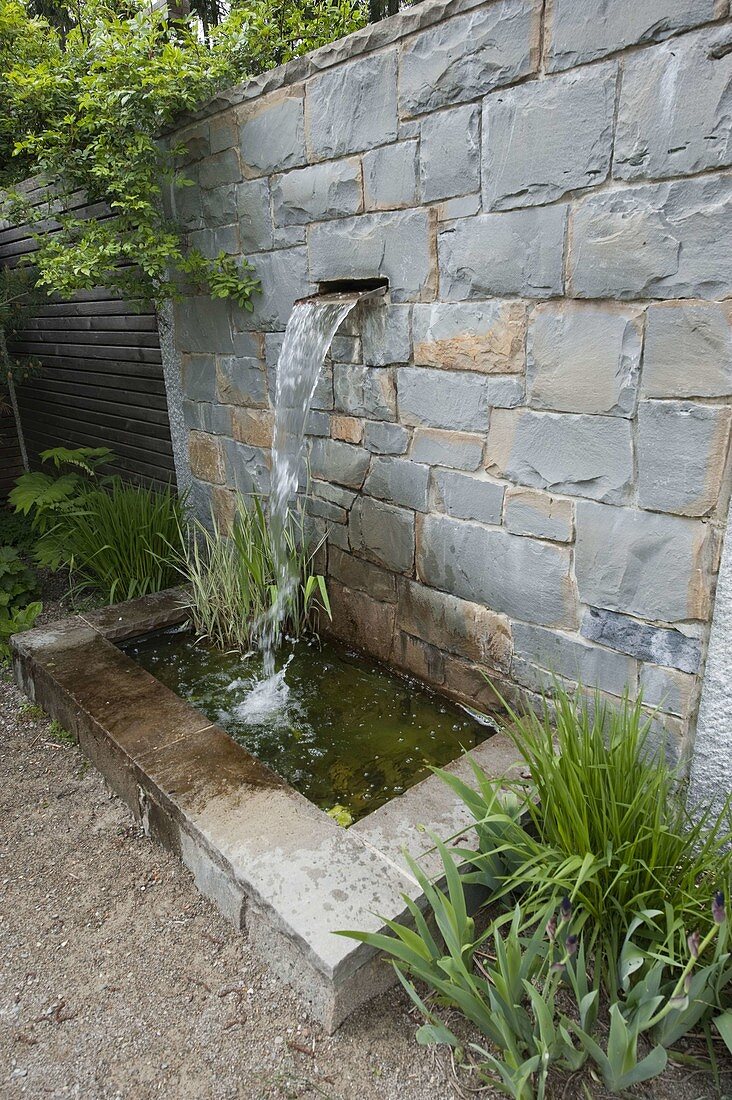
column 233, row 581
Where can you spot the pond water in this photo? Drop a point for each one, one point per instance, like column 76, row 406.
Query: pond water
column 340, row 728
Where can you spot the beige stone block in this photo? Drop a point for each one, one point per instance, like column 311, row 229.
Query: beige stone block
column 349, row 429
column 486, row 336
column 253, row 426
column 206, row 457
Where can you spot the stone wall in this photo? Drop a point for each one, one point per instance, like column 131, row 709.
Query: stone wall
column 520, row 457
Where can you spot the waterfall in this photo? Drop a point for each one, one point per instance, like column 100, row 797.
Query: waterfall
column 312, row 325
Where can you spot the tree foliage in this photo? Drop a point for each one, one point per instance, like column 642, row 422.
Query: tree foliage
column 84, row 107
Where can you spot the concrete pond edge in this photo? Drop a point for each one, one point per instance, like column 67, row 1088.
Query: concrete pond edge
column 275, row 865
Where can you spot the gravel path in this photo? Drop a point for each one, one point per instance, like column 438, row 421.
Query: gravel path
column 117, row 980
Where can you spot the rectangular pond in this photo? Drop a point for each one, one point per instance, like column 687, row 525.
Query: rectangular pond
column 342, row 729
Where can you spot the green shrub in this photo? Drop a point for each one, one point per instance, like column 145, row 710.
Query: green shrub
column 232, row 579
column 18, row 584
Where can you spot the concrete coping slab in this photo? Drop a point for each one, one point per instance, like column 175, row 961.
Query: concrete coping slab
column 273, row 862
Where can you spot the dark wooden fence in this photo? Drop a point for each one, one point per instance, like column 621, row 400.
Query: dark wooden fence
column 101, row 378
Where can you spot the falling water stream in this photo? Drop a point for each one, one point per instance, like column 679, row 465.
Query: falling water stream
column 312, row 325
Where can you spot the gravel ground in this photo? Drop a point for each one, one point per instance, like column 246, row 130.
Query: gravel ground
column 117, row 980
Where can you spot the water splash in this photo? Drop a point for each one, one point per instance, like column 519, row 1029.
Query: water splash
column 312, row 325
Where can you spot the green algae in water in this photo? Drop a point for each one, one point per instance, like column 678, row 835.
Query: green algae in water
column 339, row 727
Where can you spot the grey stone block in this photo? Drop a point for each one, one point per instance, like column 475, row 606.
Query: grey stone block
column 530, row 512
column 463, row 58
column 203, row 324
column 212, row 242
column 458, row 626
column 385, row 439
column 675, row 232
column 466, row 497
column 186, row 203
column 385, row 333
column 449, row 153
column 453, row 399
column 317, row 423
column 395, row 245
column 390, row 176
column 198, row 377
column 383, row 533
column 323, row 394
column 360, row 575
column 364, row 391
column 284, row 279
column 317, row 192
column 583, row 31
column 287, row 236
column 674, row 117
column 247, row 468
column 272, row 134
column 544, row 139
column 336, row 494
column 642, row 563
column 481, row 336
column 589, row 456
column 343, row 463
column 345, row 349
column 223, row 133
column 576, row 659
column 255, row 220
column 585, row 358
column 667, row 689
column 658, row 645
column 352, row 107
column 688, row 350
column 517, row 252
column 682, row 449
column 219, row 170
column 464, row 206
column 399, row 481
column 458, row 450
column 218, row 207
column 241, row 381
column 520, row 577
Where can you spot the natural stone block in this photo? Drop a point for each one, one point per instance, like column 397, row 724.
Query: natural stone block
column 585, row 358
column 543, row 139
column 317, row 192
column 575, row 659
column 212, row 242
column 364, row 391
column 385, row 333
column 517, row 252
column 219, row 170
column 352, row 107
column 583, row 31
column 272, row 133
column 323, row 394
column 673, row 117
column 336, row 494
column 198, row 377
column 464, row 206
column 383, row 533
column 241, row 381
column 361, row 575
column 642, row 640
column 540, row 515
column 385, row 439
column 223, row 505
column 390, row 176
column 395, row 245
column 325, row 509
column 419, row 659
column 642, row 563
column 675, row 232
column 483, row 336
column 667, row 689
column 399, row 481
column 467, row 497
column 345, row 349
column 317, row 423
column 203, row 324
column 339, row 462
column 253, row 426
column 462, row 58
column 589, row 456
column 688, row 350
column 458, row 450
column 361, row 621
column 682, row 449
column 449, row 153
column 255, row 220
column 349, row 429
column 207, row 461
column 520, row 577
column 247, row 468
column 466, row 629
column 467, row 683
column 284, row 278
column 455, row 400
column 218, row 207
column 223, row 133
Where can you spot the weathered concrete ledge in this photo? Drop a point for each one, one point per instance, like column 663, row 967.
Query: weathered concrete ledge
column 272, row 862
